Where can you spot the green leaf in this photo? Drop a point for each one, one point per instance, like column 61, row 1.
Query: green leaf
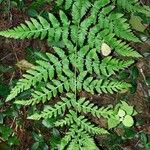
column 38, row 137
column 137, row 24
column 56, row 133
column 49, row 123
column 113, row 122
column 147, row 79
column 13, row 141
column 1, row 118
column 128, row 121
column 35, row 146
column 133, row 87
column 123, row 75
column 4, row 90
column 32, row 13
column 147, row 146
column 1, row 1
column 5, row 131
column 121, row 113
column 54, row 140
column 144, row 138
column 129, row 133
column 128, row 109
column 135, row 73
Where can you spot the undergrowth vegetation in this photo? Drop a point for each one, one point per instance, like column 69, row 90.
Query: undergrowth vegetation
column 90, row 47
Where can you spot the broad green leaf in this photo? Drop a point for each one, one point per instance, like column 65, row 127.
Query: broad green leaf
column 113, row 122
column 35, row 146
column 121, row 113
column 128, row 121
column 128, row 109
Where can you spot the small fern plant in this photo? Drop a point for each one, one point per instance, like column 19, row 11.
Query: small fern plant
column 83, row 35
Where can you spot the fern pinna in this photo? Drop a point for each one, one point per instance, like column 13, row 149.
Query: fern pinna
column 77, row 65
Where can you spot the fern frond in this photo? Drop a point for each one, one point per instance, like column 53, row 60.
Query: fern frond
column 32, row 29
column 96, row 38
column 85, row 106
column 50, row 90
column 107, row 66
column 87, row 126
column 81, row 105
column 39, row 28
column 120, row 27
column 66, row 3
column 79, row 9
column 82, row 141
column 84, row 26
column 44, row 71
column 89, row 143
column 97, row 6
column 35, row 75
column 68, row 137
column 104, row 86
column 111, row 65
column 120, row 47
column 77, row 138
column 74, row 144
column 57, row 31
column 68, row 120
column 89, row 59
column 81, row 122
column 77, row 37
column 88, row 84
column 86, row 142
column 117, row 25
column 133, row 6
column 57, row 109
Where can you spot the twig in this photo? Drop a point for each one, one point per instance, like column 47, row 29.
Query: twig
column 6, row 56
